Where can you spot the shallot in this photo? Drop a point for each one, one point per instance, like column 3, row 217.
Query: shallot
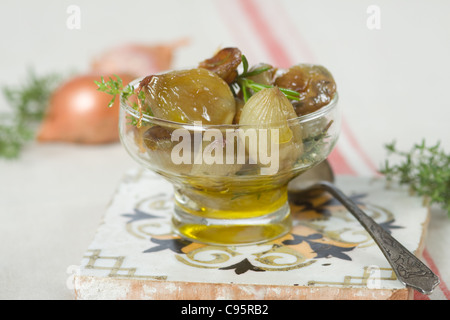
column 135, row 59
column 79, row 113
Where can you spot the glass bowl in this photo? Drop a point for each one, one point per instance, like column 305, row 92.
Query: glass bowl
column 230, row 181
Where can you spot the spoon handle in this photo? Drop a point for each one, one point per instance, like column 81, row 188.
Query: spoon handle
column 409, row 269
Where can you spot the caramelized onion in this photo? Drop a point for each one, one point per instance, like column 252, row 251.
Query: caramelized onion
column 224, row 63
column 314, row 83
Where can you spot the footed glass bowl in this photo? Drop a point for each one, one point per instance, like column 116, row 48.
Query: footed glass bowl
column 230, row 181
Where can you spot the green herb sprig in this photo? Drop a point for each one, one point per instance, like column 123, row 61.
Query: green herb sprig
column 242, row 82
column 314, row 145
column 248, row 86
column 28, row 104
column 425, row 169
column 116, row 88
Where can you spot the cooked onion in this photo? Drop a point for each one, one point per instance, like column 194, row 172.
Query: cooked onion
column 79, row 113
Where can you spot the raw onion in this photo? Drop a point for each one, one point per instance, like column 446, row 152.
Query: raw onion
column 78, row 113
column 137, row 59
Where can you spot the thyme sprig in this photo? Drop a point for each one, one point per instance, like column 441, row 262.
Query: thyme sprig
column 242, row 82
column 425, row 169
column 28, row 103
column 116, row 88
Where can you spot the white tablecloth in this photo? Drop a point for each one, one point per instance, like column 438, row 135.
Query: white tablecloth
column 392, row 78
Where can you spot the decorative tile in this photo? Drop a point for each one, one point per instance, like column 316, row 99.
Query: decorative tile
column 326, row 253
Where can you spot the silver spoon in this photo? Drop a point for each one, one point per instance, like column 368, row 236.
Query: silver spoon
column 409, row 269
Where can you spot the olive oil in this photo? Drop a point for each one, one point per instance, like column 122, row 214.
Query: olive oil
column 240, row 211
column 232, row 235
column 235, row 203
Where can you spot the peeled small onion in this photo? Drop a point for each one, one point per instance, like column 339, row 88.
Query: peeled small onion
column 79, row 113
column 191, row 95
column 270, row 109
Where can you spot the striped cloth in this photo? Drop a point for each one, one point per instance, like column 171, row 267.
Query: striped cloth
column 265, row 32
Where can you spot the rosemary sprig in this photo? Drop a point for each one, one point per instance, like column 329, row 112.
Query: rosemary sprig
column 314, row 145
column 425, row 169
column 28, row 104
column 248, row 86
column 247, row 83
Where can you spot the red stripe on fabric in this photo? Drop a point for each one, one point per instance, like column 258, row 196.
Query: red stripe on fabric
column 337, row 160
column 426, row 255
column 281, row 59
column 420, row 296
column 263, row 30
column 290, row 29
column 339, row 163
column 351, row 138
column 227, row 13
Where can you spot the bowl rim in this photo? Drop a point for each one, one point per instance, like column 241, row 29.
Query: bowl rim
column 301, row 119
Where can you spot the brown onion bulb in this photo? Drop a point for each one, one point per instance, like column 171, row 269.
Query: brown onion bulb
column 78, row 113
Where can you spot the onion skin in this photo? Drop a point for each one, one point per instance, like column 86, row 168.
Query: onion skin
column 79, row 113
